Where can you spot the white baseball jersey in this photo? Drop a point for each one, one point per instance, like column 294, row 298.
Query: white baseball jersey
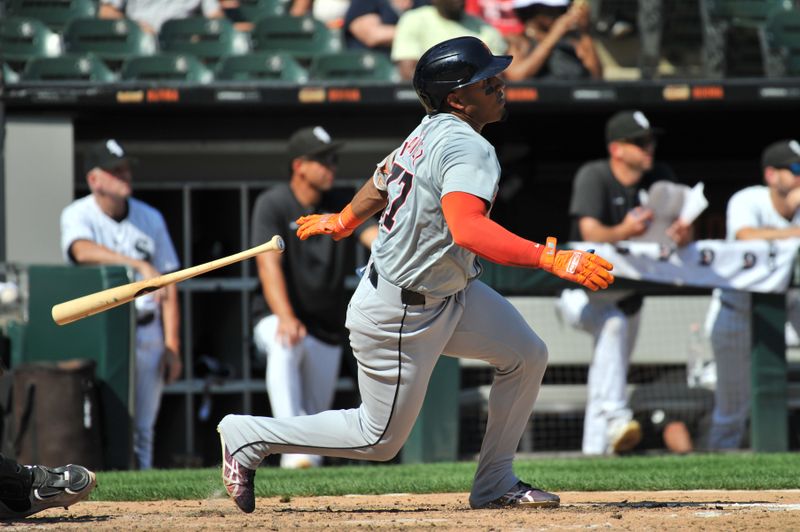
column 142, row 235
column 751, row 207
column 414, row 248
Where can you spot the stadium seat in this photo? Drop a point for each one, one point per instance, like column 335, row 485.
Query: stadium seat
column 86, row 67
column 303, row 37
column 782, row 44
column 264, row 66
column 207, row 39
column 735, row 45
column 256, row 9
column 22, row 38
column 353, row 65
column 746, row 13
column 166, row 67
column 54, row 13
column 112, row 41
column 7, row 75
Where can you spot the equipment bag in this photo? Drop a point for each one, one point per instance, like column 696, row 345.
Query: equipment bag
column 55, row 414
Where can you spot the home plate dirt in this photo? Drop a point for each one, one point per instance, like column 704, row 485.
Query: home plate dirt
column 629, row 510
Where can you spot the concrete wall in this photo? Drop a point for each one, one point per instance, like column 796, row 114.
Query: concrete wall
column 38, row 185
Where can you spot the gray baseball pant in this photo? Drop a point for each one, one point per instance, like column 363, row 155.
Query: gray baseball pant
column 397, row 347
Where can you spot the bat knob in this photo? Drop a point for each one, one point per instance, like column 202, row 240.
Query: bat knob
column 279, row 242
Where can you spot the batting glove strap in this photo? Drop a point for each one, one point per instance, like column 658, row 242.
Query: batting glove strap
column 582, row 267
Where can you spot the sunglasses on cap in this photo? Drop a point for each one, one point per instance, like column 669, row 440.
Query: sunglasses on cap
column 793, row 168
column 642, row 142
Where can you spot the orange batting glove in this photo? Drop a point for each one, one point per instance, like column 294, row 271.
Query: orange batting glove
column 338, row 225
column 582, row 267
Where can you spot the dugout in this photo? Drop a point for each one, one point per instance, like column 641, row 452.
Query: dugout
column 206, row 152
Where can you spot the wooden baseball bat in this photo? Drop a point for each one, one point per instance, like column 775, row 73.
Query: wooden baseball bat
column 78, row 308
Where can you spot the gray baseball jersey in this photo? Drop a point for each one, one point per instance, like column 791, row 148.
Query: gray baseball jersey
column 414, row 248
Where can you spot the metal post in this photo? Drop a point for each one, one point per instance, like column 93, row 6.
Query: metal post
column 769, row 407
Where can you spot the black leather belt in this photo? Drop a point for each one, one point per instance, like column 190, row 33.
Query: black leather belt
column 407, row 297
column 146, row 319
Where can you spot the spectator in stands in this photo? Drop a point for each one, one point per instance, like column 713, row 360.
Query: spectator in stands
column 605, row 207
column 419, row 29
column 151, row 15
column 764, row 212
column 557, row 44
column 371, row 24
column 110, row 227
column 498, row 13
column 304, row 286
column 331, row 12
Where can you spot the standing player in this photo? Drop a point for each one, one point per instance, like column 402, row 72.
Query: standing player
column 110, row 227
column 303, row 286
column 605, row 208
column 421, row 297
column 758, row 212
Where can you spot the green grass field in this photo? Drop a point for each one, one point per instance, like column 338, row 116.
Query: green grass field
column 638, row 473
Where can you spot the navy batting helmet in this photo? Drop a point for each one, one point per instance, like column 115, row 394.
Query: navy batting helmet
column 452, row 64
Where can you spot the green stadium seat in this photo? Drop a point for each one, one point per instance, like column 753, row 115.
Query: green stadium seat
column 256, row 9
column 735, row 43
column 112, row 40
column 207, row 39
column 746, row 13
column 166, row 67
column 87, row 67
column 261, row 66
column 353, row 65
column 8, row 75
column 54, row 13
column 22, row 38
column 303, row 37
column 782, row 44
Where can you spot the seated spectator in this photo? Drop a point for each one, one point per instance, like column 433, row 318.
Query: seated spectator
column 498, row 13
column 151, row 15
column 331, row 12
column 370, row 24
column 421, row 28
column 557, row 44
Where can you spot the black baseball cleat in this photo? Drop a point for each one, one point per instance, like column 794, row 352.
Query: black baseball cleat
column 523, row 495
column 51, row 487
column 239, row 481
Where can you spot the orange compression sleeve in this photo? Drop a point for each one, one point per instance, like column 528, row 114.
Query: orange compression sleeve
column 472, row 229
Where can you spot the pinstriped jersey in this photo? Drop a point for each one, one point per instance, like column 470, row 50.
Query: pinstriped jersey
column 414, row 248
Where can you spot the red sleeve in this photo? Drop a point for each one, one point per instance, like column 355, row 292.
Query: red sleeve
column 473, row 230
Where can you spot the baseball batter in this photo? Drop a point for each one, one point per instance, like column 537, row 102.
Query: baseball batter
column 110, row 227
column 756, row 212
column 420, row 296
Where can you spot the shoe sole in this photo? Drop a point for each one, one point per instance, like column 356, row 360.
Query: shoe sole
column 520, row 505
column 630, row 438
